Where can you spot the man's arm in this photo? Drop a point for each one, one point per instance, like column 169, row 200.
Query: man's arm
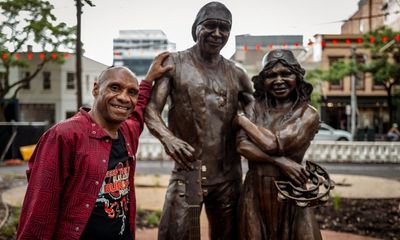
column 179, row 150
column 47, row 173
column 156, row 70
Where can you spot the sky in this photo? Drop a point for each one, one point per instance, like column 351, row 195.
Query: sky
column 100, row 24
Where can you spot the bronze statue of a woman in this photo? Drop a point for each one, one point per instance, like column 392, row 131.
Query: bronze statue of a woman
column 274, row 141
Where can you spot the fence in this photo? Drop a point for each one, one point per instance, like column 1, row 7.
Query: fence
column 321, row 151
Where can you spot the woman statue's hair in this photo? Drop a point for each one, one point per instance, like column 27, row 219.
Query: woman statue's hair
column 303, row 89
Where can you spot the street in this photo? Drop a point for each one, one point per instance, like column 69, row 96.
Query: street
column 387, row 170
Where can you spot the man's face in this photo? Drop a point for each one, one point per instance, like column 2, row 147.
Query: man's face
column 212, row 35
column 280, row 81
column 116, row 96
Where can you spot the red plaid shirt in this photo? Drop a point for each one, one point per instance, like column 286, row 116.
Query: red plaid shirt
column 67, row 170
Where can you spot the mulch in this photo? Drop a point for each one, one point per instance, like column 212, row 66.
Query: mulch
column 378, row 218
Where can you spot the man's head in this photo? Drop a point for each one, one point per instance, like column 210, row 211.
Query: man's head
column 212, row 27
column 115, row 93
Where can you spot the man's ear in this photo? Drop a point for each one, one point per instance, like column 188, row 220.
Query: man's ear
column 96, row 89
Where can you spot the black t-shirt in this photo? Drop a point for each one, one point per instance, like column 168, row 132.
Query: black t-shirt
column 109, row 218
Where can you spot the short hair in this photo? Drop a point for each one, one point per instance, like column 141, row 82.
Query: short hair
column 104, row 74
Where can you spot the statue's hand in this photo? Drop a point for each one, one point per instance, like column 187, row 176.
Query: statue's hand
column 180, row 151
column 296, row 172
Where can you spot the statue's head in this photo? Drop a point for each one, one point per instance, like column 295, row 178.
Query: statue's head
column 281, row 64
column 212, row 27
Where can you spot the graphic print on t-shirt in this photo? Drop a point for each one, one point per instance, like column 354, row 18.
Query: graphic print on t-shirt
column 114, row 193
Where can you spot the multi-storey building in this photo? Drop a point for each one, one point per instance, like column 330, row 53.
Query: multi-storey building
column 136, row 49
column 52, row 94
column 391, row 8
column 250, row 50
column 372, row 108
column 369, row 16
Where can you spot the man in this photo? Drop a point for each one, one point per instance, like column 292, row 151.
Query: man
column 205, row 90
column 80, row 177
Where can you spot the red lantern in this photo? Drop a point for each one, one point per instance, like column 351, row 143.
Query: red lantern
column 42, row 56
column 296, row 44
column 258, row 47
column 397, row 37
column 323, row 43
column 371, row 39
column 334, row 41
column 17, row 56
column 359, row 40
column 30, row 56
column 348, row 41
column 54, row 56
column 270, row 47
column 384, row 39
column 4, row 56
column 245, row 48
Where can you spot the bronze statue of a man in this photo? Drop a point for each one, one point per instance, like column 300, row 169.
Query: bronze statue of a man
column 206, row 91
column 276, row 138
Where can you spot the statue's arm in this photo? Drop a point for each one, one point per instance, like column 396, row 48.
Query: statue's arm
column 178, row 149
column 246, row 98
column 288, row 167
column 299, row 132
column 263, row 138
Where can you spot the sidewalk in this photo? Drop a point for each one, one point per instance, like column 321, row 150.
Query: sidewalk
column 150, row 193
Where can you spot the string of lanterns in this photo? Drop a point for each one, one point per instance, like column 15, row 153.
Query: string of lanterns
column 30, row 55
column 348, row 41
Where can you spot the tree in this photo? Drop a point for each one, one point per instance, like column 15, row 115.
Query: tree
column 23, row 22
column 385, row 63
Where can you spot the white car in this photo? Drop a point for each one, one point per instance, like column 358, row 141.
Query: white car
column 328, row 133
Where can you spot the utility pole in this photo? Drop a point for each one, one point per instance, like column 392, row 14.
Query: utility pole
column 353, row 97
column 78, row 54
column 370, row 15
column 78, row 50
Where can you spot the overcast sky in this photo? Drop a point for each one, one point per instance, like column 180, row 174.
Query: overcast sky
column 100, row 24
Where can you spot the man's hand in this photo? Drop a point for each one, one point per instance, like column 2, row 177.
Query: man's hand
column 157, row 69
column 180, row 151
column 296, row 172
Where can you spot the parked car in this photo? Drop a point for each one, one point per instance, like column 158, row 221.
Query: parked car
column 327, row 132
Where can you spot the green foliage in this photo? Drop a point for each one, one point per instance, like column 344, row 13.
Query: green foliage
column 153, row 218
column 385, row 49
column 10, row 228
column 314, row 77
column 336, row 200
column 384, row 65
column 25, row 22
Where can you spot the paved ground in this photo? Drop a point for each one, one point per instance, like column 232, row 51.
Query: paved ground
column 150, row 190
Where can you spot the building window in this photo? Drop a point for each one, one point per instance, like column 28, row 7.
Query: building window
column 335, row 85
column 46, row 80
column 87, row 82
column 27, row 85
column 70, row 80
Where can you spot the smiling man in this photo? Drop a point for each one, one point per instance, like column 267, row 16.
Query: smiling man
column 206, row 91
column 80, row 177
